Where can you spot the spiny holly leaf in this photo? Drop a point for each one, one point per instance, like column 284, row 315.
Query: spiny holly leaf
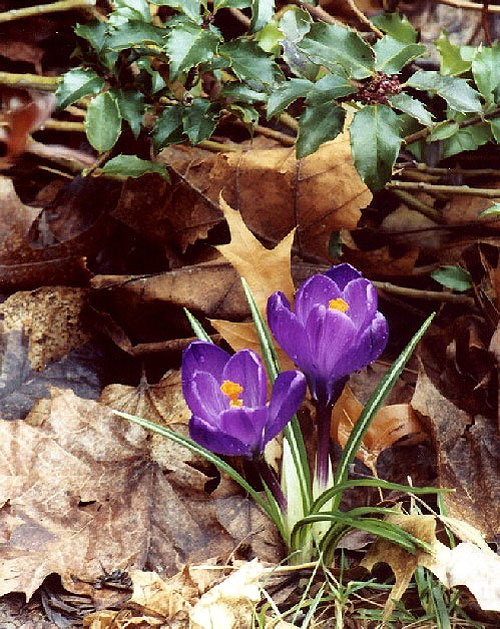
column 486, row 71
column 133, row 166
column 457, row 92
column 294, row 24
column 392, row 55
column 262, row 13
column 328, row 88
column 248, row 115
column 452, row 61
column 76, row 84
column 188, row 45
column 103, row 122
column 95, row 33
column 199, row 120
column 375, row 141
column 444, row 130
column 318, row 124
column 241, row 92
column 168, row 127
column 396, row 25
column 231, row 4
column 134, row 34
column 269, row 38
column 287, row 93
column 248, row 61
column 411, row 106
column 190, row 8
column 131, row 106
column 333, row 45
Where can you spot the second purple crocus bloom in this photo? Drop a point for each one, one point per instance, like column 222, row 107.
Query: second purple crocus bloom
column 227, row 397
column 335, row 329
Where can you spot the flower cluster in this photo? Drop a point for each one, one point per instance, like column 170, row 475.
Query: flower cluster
column 334, row 330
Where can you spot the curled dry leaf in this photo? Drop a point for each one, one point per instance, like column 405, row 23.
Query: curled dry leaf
column 468, row 457
column 79, row 491
column 391, row 424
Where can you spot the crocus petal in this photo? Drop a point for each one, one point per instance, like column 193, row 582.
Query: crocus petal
column 331, row 334
column 342, row 274
column 317, row 290
column 203, row 356
column 287, row 330
column 361, row 296
column 288, row 393
column 205, row 398
column 212, row 439
column 245, row 424
column 246, row 368
column 369, row 345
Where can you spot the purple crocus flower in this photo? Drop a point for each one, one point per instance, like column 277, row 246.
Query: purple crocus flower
column 335, row 330
column 227, row 396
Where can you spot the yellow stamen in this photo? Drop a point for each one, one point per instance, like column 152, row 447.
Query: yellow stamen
column 233, row 390
column 338, row 304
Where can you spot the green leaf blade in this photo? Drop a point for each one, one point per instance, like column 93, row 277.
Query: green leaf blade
column 375, row 142
column 286, row 94
column 453, row 277
column 411, row 106
column 392, row 55
column 103, row 122
column 76, row 84
column 457, row 92
column 318, row 124
column 188, row 45
column 133, row 166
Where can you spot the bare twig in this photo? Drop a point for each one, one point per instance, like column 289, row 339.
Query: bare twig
column 30, row 81
column 429, row 295
column 443, row 172
column 317, row 12
column 417, row 204
column 363, row 19
column 52, row 7
column 241, row 17
column 421, row 186
column 465, row 4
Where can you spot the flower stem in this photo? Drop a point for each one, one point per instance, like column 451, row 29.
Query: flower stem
column 271, row 480
column 323, row 421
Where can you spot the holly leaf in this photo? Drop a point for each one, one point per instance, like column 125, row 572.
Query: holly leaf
column 131, row 106
column 134, row 34
column 411, row 106
column 486, row 70
column 103, row 122
column 333, row 45
column 199, row 120
column 318, row 124
column 396, row 25
column 249, row 61
column 453, row 277
column 188, row 45
column 168, row 127
column 190, row 8
column 294, row 24
column 133, row 166
column 452, row 61
column 391, row 55
column 457, row 92
column 286, row 94
column 133, row 9
column 76, row 84
column 328, row 88
column 262, row 13
column 467, row 139
column 375, row 142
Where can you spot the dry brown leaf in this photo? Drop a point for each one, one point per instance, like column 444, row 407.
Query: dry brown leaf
column 273, row 190
column 468, row 457
column 172, row 598
column 162, row 402
column 230, row 604
column 469, row 564
column 391, row 424
column 51, row 318
column 79, row 490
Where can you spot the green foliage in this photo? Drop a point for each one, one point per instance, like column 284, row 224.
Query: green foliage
column 133, row 166
column 453, row 277
column 173, row 78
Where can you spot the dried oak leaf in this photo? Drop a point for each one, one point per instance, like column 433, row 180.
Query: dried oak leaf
column 392, row 423
column 273, row 190
column 79, row 490
column 468, row 457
